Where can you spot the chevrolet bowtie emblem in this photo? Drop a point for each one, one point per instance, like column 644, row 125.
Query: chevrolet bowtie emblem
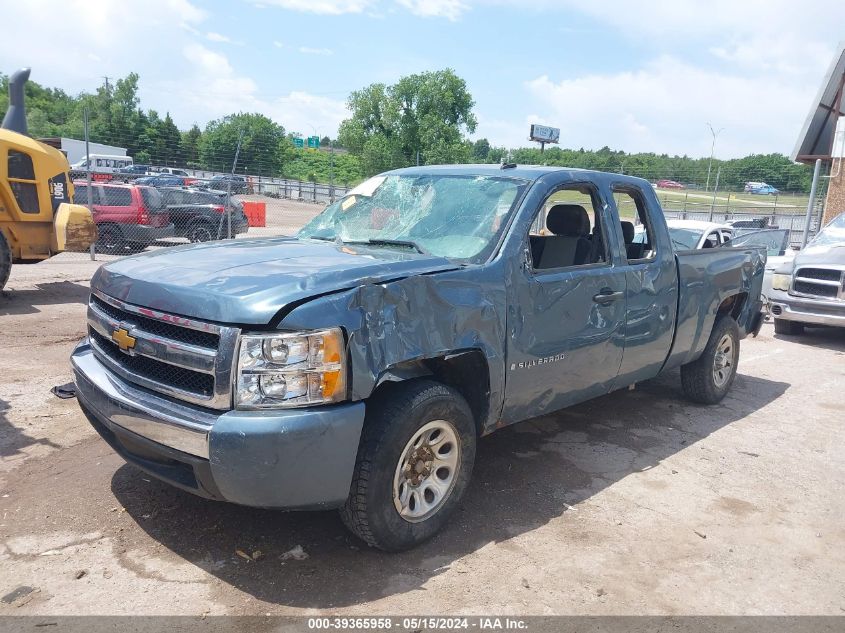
column 123, row 340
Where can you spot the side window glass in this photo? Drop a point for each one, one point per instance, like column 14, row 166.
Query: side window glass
column 567, row 231
column 22, row 181
column 117, row 197
column 711, row 241
column 80, row 194
column 635, row 224
column 20, row 165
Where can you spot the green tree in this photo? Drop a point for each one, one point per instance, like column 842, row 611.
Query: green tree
column 190, row 144
column 481, row 150
column 426, row 113
column 264, row 148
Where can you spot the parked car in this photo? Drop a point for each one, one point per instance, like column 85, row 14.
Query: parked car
column 695, row 234
column 161, row 180
column 778, row 250
column 221, row 183
column 128, row 217
column 170, row 170
column 749, row 223
column 669, row 184
column 187, row 179
column 200, row 216
column 763, row 190
column 810, row 289
column 134, row 170
column 355, row 365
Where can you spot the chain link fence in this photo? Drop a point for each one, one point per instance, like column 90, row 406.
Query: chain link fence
column 139, row 206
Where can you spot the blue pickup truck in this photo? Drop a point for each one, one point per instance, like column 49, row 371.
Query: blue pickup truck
column 355, row 365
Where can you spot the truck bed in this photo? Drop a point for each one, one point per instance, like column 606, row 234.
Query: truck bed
column 706, row 278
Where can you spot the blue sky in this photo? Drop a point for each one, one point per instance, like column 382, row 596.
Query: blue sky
column 640, row 79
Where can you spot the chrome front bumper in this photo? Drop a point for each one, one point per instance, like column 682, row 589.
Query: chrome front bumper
column 812, row 311
column 294, row 458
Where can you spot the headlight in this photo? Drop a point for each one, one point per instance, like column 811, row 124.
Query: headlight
column 781, row 281
column 290, row 370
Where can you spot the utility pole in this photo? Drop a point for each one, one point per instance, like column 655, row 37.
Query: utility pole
column 714, row 133
column 715, row 189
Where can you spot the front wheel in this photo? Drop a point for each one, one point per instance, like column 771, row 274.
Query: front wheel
column 707, row 379
column 789, row 328
column 414, row 462
column 5, row 261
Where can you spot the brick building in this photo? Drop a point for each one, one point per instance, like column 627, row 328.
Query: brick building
column 823, row 135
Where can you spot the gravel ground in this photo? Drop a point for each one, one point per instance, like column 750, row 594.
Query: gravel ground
column 637, row 502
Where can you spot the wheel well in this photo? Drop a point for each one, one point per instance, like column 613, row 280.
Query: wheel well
column 466, row 372
column 733, row 305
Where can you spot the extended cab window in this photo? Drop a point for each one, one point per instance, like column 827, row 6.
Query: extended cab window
column 567, row 231
column 635, row 224
column 22, row 181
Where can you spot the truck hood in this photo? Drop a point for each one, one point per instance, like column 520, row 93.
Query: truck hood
column 830, row 254
column 249, row 281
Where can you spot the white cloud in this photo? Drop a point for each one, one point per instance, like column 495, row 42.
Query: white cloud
column 449, row 9
column 325, row 7
column 278, row 44
column 217, row 37
column 664, row 106
column 306, row 50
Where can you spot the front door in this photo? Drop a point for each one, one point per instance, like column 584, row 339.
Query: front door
column 567, row 315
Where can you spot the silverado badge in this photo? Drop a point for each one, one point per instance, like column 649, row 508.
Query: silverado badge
column 123, row 340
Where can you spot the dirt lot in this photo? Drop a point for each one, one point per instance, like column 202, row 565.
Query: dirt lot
column 634, row 503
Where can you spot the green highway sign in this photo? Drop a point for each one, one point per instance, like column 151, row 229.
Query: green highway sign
column 299, row 142
column 314, row 141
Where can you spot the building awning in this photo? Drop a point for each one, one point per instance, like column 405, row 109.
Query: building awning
column 819, row 130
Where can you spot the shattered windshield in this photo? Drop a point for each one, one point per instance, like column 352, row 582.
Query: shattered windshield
column 833, row 233
column 458, row 217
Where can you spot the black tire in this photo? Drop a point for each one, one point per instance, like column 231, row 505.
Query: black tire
column 702, row 380
column 201, row 232
column 394, row 418
column 5, row 261
column 788, row 328
column 110, row 240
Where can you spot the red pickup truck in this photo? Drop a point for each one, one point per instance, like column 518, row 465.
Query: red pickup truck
column 128, row 217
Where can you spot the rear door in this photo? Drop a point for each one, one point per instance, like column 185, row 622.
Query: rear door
column 566, row 326
column 115, row 205
column 651, row 287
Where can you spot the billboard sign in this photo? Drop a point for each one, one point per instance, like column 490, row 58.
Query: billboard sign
column 544, row 134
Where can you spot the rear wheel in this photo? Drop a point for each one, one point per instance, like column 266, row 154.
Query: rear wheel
column 707, row 379
column 789, row 328
column 201, row 232
column 414, row 463
column 110, row 240
column 5, row 261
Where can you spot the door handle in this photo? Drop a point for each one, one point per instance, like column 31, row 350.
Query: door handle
column 607, row 297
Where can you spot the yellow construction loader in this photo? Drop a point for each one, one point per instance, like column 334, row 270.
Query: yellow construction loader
column 37, row 219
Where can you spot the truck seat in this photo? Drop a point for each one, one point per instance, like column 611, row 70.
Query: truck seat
column 632, row 250
column 569, row 245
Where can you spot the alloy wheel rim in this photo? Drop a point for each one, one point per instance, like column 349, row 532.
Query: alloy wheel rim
column 723, row 361
column 427, row 471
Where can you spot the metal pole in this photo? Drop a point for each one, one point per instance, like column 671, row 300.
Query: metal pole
column 93, row 246
column 331, row 170
column 229, row 188
column 715, row 189
column 714, row 133
column 811, row 203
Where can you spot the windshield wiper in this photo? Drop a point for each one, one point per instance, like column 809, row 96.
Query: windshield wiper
column 385, row 242
column 322, row 238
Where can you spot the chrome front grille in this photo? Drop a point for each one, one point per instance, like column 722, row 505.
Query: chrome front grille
column 187, row 359
column 820, row 282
